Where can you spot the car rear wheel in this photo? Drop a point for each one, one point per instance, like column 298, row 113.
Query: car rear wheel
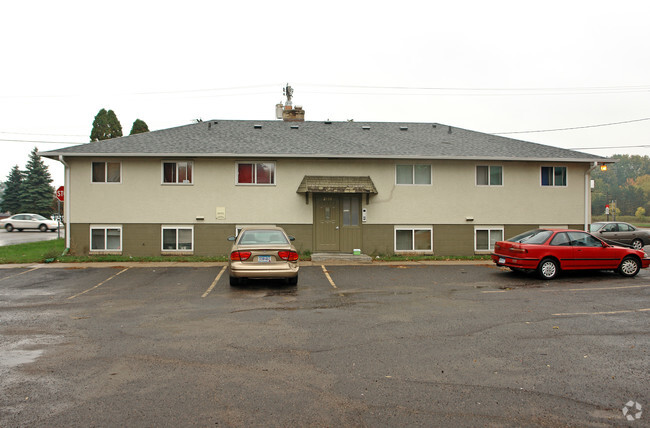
column 42, row 228
column 548, row 269
column 637, row 244
column 630, row 266
column 9, row 228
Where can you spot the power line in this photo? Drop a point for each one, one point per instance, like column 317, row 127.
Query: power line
column 574, row 127
column 38, row 141
column 42, row 135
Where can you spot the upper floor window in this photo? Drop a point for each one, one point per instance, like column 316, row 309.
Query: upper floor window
column 256, row 173
column 177, row 172
column 106, row 172
column 554, row 176
column 489, row 175
column 413, row 174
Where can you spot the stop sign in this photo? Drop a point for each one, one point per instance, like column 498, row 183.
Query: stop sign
column 60, row 193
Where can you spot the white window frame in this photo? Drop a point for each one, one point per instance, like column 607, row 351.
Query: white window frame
column 413, row 228
column 489, row 176
column 175, row 227
column 105, row 227
column 489, row 229
column 566, row 169
column 176, row 162
column 413, row 174
column 105, row 172
column 255, row 163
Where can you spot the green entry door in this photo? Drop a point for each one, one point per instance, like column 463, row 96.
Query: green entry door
column 327, row 222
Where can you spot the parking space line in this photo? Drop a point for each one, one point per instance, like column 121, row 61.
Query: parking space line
column 214, row 282
column 327, row 275
column 21, row 273
column 103, row 282
column 600, row 288
column 603, row 313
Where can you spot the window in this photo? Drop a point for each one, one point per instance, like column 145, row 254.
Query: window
column 177, row 238
column 106, row 172
column 413, row 239
column 350, row 210
column 413, row 174
column 554, row 176
column 256, row 173
column 105, row 238
column 177, row 172
column 485, row 238
column 489, row 175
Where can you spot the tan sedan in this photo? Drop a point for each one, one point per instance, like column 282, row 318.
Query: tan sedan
column 263, row 253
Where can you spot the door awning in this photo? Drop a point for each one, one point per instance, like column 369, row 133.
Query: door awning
column 336, row 184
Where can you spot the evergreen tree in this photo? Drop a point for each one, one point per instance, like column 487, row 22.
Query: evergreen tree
column 13, row 193
column 37, row 192
column 139, row 126
column 105, row 126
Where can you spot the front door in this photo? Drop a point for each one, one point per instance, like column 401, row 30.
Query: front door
column 326, row 222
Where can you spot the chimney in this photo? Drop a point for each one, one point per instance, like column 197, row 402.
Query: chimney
column 293, row 114
column 278, row 110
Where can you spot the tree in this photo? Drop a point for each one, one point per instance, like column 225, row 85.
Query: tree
column 37, row 193
column 139, row 126
column 13, row 194
column 105, row 126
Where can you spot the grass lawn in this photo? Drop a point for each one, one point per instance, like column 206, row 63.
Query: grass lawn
column 33, row 252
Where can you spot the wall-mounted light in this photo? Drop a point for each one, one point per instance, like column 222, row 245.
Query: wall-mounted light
column 603, row 167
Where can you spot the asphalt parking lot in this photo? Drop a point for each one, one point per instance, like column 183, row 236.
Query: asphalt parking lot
column 367, row 345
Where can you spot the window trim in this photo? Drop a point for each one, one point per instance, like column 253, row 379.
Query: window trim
column 413, row 174
column 489, row 176
column 413, row 228
column 255, row 163
column 566, row 170
column 105, row 162
column 175, row 227
column 489, row 229
column 105, row 227
column 176, row 162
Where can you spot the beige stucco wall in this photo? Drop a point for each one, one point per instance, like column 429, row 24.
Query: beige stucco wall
column 453, row 195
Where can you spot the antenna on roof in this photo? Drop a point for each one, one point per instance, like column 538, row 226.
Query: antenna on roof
column 288, row 91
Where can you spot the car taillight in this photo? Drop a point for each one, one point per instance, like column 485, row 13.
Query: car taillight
column 291, row 256
column 240, row 255
column 518, row 250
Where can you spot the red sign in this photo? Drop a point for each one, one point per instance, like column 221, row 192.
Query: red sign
column 60, row 193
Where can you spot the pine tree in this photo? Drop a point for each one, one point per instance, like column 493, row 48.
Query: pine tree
column 105, row 126
column 37, row 192
column 139, row 126
column 13, row 194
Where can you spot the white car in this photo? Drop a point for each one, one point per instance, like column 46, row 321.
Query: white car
column 28, row 221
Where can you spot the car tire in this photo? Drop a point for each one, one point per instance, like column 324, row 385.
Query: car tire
column 234, row 281
column 9, row 228
column 42, row 228
column 629, row 267
column 548, row 269
column 293, row 281
column 637, row 244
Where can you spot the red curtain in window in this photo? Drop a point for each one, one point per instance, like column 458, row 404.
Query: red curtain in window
column 169, row 173
column 245, row 173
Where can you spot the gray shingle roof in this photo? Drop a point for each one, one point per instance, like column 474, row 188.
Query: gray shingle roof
column 250, row 138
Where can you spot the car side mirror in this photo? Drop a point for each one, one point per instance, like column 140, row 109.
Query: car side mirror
column 291, row 238
column 231, row 238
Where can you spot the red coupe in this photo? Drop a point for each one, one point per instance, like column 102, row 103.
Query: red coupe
column 549, row 251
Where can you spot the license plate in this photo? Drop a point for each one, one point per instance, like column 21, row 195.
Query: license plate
column 264, row 259
column 502, row 260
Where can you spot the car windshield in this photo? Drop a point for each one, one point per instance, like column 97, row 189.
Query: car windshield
column 595, row 227
column 537, row 236
column 262, row 237
column 39, row 217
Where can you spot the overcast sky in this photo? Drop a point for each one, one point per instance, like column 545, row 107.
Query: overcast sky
column 489, row 66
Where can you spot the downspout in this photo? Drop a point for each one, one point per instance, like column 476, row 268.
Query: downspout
column 588, row 194
column 66, row 202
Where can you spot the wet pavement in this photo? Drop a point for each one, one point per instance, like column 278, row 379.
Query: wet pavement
column 430, row 344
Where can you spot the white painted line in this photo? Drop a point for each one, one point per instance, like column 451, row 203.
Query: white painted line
column 214, row 282
column 599, row 288
column 103, row 282
column 21, row 273
column 327, row 275
column 496, row 291
column 603, row 313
